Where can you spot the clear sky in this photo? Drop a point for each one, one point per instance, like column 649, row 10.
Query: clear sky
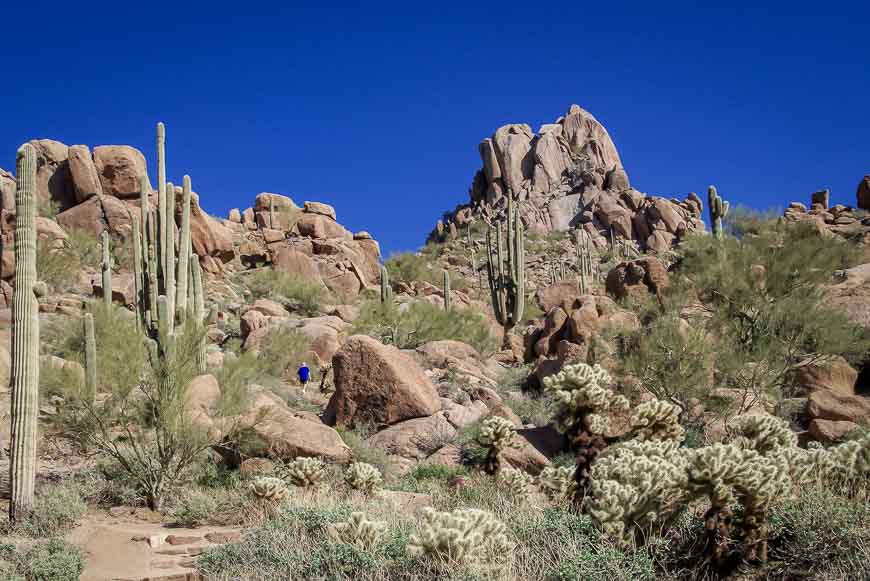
column 378, row 108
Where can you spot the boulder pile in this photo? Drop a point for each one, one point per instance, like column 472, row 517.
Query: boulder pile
column 569, row 176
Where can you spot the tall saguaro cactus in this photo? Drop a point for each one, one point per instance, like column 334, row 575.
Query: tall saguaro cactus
column 447, row 300
column 25, row 340
column 161, row 189
column 386, row 289
column 183, row 252
column 718, row 210
column 506, row 269
column 584, row 263
column 90, row 357
column 106, row 266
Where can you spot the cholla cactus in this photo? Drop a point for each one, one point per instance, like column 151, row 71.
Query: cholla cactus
column 583, row 405
column 496, row 435
column 358, row 531
column 845, row 462
column 636, row 483
column 764, row 434
column 517, row 482
column 271, row 489
column 558, row 483
column 582, row 401
column 464, row 536
column 306, row 472
column 363, row 477
column 657, row 420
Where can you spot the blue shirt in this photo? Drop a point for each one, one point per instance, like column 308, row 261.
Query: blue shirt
column 304, row 374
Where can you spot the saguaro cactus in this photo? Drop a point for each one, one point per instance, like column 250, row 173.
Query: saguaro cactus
column 161, row 189
column 447, row 302
column 106, row 267
column 506, row 271
column 718, row 210
column 584, row 264
column 386, row 289
column 169, row 252
column 90, row 358
column 183, row 251
column 25, row 341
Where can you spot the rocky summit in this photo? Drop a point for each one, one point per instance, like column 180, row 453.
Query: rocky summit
column 568, row 176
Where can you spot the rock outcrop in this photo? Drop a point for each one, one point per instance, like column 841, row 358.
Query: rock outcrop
column 569, row 176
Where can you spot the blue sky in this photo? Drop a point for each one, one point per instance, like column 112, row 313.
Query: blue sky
column 377, row 108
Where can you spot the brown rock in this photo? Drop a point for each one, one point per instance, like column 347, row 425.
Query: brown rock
column 235, row 216
column 52, row 175
column 378, row 383
column 269, row 308
column 526, row 457
column 637, row 278
column 863, row 193
column 551, row 334
column 123, row 289
column 831, row 405
column 296, row 263
column 831, row 431
column 282, row 434
column 417, row 438
column 85, row 179
column 120, row 168
column 319, row 208
column 565, row 294
column 253, row 467
column 495, row 404
column 251, row 321
column 7, row 191
column 318, row 226
column 207, row 236
column 203, row 395
column 266, row 200
column 835, row 375
column 85, row 217
column 583, row 322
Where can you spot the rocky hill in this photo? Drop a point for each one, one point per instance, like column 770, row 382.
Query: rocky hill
column 569, row 175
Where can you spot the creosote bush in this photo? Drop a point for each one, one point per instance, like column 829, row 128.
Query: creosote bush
column 293, row 292
column 56, row 511
column 52, row 560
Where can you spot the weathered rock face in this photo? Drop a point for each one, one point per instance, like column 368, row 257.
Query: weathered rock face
column 52, row 175
column 569, row 175
column 120, row 168
column 637, row 278
column 380, row 384
column 85, row 179
column 863, row 193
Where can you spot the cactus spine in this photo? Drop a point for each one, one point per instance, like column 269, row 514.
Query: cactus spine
column 448, row 303
column 386, row 289
column 718, row 210
column 183, row 252
column 90, row 358
column 507, row 279
column 25, row 341
column 106, row 266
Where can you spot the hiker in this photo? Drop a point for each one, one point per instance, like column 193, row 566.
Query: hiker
column 304, row 375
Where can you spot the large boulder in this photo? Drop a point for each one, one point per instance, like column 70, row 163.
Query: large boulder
column 863, row 193
column 320, row 226
column 203, row 397
column 85, row 178
column 834, row 375
column 379, row 384
column 294, row 262
column 417, row 438
column 7, row 191
column 283, row 434
column 120, row 168
column 208, row 236
column 564, row 293
column 832, row 405
column 637, row 278
column 53, row 181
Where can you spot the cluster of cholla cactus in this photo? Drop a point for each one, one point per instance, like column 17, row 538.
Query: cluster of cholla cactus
column 363, row 477
column 557, row 482
column 468, row 537
column 516, row 482
column 358, row 531
column 496, row 435
column 270, row 489
column 635, row 484
column 506, row 265
column 718, row 210
column 582, row 408
column 657, row 420
column 25, row 342
column 306, row 472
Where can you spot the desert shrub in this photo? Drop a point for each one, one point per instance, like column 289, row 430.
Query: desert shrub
column 407, row 267
column 412, row 325
column 53, row 560
column 85, row 248
column 56, row 510
column 763, row 292
column 293, row 292
column 195, row 508
column 143, row 423
column 821, row 534
column 55, row 266
column 669, row 361
column 355, row 439
column 743, row 220
column 283, row 351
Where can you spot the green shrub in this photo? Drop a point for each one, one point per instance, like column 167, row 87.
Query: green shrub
column 412, row 325
column 743, row 220
column 293, row 292
column 408, row 267
column 283, row 351
column 56, row 510
column 362, row 452
column 53, row 560
column 195, row 509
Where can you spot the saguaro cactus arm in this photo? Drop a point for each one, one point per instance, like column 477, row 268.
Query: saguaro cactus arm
column 183, row 251
column 25, row 341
